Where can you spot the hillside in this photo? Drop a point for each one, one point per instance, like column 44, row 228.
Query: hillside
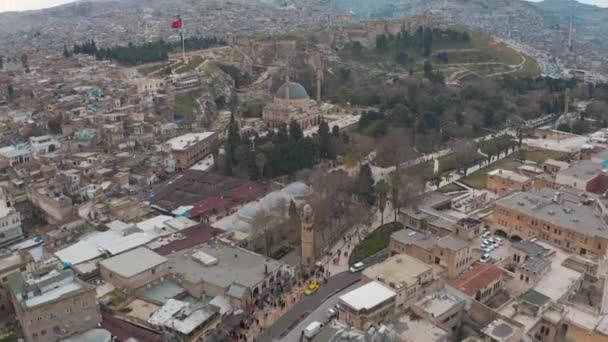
column 112, row 22
column 588, row 20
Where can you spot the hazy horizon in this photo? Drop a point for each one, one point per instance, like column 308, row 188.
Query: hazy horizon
column 26, row 5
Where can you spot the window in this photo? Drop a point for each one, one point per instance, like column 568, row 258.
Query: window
column 68, row 310
column 85, row 304
column 39, row 318
column 43, row 332
column 53, row 315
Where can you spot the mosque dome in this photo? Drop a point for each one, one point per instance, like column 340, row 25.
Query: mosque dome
column 296, row 91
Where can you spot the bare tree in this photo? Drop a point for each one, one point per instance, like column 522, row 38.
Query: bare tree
column 465, row 154
column 261, row 225
column 404, row 191
column 394, row 148
column 359, row 147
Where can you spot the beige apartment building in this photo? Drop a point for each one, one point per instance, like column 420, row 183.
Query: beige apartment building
column 410, row 278
column 451, row 252
column 134, row 269
column 367, row 305
column 188, row 149
column 11, row 263
column 52, row 304
column 568, row 222
column 503, row 182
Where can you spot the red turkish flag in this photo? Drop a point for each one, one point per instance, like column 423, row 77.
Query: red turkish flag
column 177, row 24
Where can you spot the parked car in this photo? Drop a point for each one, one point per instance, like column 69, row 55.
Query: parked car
column 486, row 257
column 485, row 235
column 357, row 267
column 333, row 311
column 486, row 249
column 311, row 289
column 499, row 240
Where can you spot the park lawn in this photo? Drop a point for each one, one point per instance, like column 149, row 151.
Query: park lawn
column 192, row 64
column 539, row 156
column 530, row 68
column 186, row 104
column 447, row 164
column 375, row 242
column 145, row 70
column 450, row 188
column 491, row 146
column 423, row 170
column 479, row 178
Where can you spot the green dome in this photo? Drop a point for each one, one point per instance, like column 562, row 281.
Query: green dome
column 296, row 91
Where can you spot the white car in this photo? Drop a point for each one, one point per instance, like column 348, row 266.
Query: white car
column 486, row 249
column 357, row 267
column 485, row 235
column 499, row 240
column 485, row 258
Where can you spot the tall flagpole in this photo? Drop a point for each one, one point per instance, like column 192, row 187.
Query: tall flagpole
column 182, row 33
column 183, row 45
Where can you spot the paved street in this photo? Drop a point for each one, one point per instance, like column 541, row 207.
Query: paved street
column 319, row 314
column 307, row 305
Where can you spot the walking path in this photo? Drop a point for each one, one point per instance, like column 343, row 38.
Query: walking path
column 334, row 264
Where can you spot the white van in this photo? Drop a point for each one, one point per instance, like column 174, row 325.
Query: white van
column 313, row 329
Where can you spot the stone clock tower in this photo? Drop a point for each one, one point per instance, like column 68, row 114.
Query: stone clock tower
column 308, row 239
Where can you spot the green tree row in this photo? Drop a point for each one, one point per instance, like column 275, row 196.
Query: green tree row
column 280, row 152
column 150, row 52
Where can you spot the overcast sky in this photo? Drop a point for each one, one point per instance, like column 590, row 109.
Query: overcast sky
column 23, row 5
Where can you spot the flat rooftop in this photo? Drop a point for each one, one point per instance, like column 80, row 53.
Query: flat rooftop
column 438, row 304
column 584, row 170
column 558, row 279
column 163, row 291
column 184, row 141
column 416, row 329
column 189, row 323
column 141, row 309
column 47, row 285
column 398, row 271
column 412, row 237
column 368, row 296
column 507, row 174
column 578, row 218
column 232, row 265
column 531, row 248
column 134, row 262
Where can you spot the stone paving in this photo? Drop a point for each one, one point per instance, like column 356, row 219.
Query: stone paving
column 264, row 318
